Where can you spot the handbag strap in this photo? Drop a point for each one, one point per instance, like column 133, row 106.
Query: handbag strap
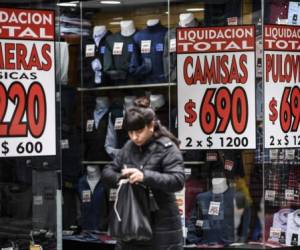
column 121, row 182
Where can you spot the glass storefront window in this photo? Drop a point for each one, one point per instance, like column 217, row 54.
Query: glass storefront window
column 221, row 75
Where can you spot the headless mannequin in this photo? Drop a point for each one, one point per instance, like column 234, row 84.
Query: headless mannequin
column 219, row 185
column 152, row 22
column 98, row 32
column 129, row 101
column 127, row 28
column 187, row 20
column 93, row 176
column 101, row 102
column 157, row 101
column 99, row 29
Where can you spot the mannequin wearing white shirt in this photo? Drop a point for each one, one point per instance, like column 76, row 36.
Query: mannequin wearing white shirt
column 187, row 20
column 93, row 176
column 219, row 185
column 152, row 22
column 127, row 28
column 293, row 227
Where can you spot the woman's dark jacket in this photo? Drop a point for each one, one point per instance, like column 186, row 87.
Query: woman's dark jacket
column 163, row 173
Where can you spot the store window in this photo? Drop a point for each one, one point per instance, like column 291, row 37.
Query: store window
column 222, row 76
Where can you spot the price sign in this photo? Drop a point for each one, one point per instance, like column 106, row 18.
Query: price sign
column 216, row 90
column 27, row 83
column 282, row 88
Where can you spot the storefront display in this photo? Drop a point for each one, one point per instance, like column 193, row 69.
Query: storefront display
column 221, row 75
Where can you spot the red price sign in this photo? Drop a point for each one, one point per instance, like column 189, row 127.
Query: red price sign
column 218, row 109
column 31, row 104
column 289, row 110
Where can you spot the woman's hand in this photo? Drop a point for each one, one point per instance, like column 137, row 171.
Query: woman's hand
column 133, row 174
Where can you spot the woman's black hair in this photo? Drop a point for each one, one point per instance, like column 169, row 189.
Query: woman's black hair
column 139, row 117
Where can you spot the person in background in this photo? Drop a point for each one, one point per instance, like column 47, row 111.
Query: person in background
column 163, row 173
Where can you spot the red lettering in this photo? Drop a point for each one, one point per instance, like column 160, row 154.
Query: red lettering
column 188, row 61
column 243, row 66
column 21, row 51
column 34, row 59
column 9, row 56
column 46, row 50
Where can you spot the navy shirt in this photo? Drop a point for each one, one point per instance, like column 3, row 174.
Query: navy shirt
column 94, row 205
column 147, row 65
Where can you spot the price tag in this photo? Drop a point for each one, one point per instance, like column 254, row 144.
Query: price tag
column 187, row 171
column 232, row 20
column 228, row 165
column 210, row 156
column 294, row 241
column 289, row 194
column 275, row 233
column 118, row 48
column 172, row 47
column 90, row 50
column 282, row 238
column 112, row 194
column 270, row 195
column 64, row 143
column 90, row 125
column 290, row 154
column 214, row 208
column 86, row 196
column 118, row 123
column 145, row 46
column 199, row 223
column 273, row 154
column 37, row 200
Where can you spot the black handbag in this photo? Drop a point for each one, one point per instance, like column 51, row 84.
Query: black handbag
column 131, row 218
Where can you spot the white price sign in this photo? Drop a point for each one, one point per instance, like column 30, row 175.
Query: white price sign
column 216, row 87
column 27, row 86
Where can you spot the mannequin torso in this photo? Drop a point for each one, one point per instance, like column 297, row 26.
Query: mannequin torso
column 187, row 20
column 101, row 102
column 127, row 28
column 152, row 22
column 219, row 185
column 93, row 176
column 129, row 101
column 157, row 101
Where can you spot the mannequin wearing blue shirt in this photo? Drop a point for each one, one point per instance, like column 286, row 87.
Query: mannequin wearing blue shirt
column 212, row 220
column 94, row 200
column 146, row 63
